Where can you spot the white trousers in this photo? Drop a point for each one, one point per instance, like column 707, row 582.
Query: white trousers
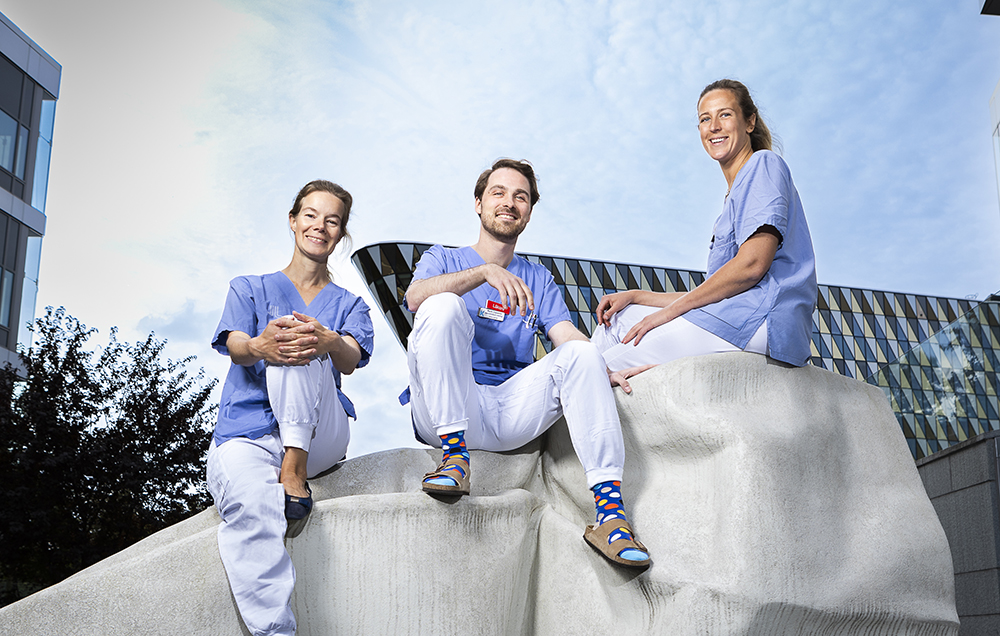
column 571, row 380
column 242, row 476
column 675, row 339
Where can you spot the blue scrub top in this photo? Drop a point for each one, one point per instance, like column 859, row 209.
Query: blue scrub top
column 500, row 348
column 763, row 194
column 254, row 301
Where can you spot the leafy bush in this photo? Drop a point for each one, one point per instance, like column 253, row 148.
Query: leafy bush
column 98, row 449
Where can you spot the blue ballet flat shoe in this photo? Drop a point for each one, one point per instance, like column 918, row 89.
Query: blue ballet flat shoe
column 298, row 508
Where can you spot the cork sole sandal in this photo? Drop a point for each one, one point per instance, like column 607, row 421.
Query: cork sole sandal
column 460, row 476
column 597, row 537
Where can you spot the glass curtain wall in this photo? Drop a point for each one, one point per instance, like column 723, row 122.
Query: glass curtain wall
column 945, row 389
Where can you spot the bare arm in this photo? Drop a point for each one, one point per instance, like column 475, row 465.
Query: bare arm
column 513, row 291
column 564, row 331
column 745, row 270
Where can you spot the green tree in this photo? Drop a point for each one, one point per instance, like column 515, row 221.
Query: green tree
column 98, row 449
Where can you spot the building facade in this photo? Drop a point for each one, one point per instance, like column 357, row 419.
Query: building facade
column 935, row 358
column 29, row 87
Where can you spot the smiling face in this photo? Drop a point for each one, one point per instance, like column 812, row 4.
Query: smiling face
column 505, row 207
column 725, row 132
column 318, row 226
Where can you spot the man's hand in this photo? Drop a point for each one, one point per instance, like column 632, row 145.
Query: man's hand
column 514, row 293
column 620, row 378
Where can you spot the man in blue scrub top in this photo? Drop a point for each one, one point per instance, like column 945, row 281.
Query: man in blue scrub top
column 473, row 381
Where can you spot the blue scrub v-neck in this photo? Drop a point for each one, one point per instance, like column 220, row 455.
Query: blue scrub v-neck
column 294, row 298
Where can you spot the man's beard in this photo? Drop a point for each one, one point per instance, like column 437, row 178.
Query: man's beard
column 502, row 231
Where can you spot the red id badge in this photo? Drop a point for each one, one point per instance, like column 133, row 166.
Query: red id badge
column 495, row 306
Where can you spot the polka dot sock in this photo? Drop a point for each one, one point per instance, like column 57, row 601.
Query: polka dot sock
column 610, row 507
column 452, row 444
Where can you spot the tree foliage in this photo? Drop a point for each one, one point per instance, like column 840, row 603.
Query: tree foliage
column 98, row 449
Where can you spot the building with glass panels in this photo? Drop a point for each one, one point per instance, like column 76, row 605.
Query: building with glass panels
column 29, row 87
column 935, row 358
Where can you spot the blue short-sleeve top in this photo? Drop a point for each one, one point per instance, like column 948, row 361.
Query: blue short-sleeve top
column 253, row 301
column 500, row 348
column 763, row 194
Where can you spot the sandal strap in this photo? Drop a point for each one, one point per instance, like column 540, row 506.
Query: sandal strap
column 454, row 460
column 606, row 529
column 624, row 544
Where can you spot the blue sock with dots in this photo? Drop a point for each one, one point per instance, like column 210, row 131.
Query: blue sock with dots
column 452, row 444
column 610, row 507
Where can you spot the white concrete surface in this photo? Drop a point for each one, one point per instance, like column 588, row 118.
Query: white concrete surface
column 774, row 501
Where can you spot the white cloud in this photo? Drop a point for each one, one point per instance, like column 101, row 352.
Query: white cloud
column 184, row 130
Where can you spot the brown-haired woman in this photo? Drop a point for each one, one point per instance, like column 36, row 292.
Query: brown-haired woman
column 761, row 286
column 282, row 418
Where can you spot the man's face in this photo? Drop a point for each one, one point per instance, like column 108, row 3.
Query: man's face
column 505, row 208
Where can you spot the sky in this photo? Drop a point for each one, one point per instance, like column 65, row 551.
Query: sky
column 183, row 131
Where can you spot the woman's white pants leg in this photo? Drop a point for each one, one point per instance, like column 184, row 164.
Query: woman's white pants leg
column 242, row 477
column 310, row 416
column 675, row 339
column 570, row 381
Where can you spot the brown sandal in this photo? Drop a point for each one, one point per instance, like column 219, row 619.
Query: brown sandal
column 461, row 477
column 597, row 537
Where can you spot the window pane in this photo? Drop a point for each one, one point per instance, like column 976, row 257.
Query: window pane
column 27, row 99
column 996, row 155
column 41, row 175
column 48, row 119
column 3, row 232
column 6, row 291
column 22, row 150
column 10, row 251
column 10, row 86
column 29, row 295
column 33, row 257
column 8, row 134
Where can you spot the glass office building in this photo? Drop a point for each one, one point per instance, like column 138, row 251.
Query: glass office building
column 935, row 358
column 29, row 87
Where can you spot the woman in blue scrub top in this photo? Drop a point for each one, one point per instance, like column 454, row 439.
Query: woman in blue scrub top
column 761, row 286
column 282, row 418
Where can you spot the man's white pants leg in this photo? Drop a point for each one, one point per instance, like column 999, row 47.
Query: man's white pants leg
column 570, row 380
column 243, row 475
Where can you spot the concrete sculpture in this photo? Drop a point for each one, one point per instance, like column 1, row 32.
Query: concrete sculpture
column 774, row 501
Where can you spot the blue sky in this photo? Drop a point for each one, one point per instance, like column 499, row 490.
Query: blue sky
column 184, row 129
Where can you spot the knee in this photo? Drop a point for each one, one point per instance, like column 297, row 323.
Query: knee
column 443, row 306
column 442, row 315
column 580, row 353
column 277, row 371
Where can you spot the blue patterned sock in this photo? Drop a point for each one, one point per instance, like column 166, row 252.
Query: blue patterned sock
column 610, row 507
column 452, row 444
